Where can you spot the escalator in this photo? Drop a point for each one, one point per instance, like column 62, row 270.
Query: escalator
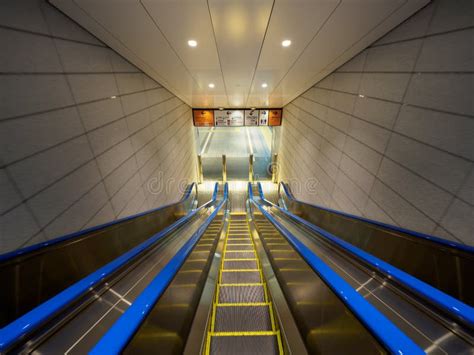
column 448, row 267
column 242, row 303
column 72, row 286
column 426, row 314
column 219, row 281
column 242, row 319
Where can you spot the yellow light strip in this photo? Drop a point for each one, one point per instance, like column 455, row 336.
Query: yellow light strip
column 240, row 251
column 243, row 304
column 242, row 284
column 241, row 259
column 240, row 334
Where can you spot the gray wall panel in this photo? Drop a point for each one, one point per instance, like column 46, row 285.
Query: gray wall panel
column 389, row 135
column 83, row 132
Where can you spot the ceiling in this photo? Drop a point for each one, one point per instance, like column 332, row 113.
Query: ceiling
column 239, row 42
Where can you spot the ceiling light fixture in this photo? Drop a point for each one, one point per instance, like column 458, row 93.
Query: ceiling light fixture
column 211, row 85
column 264, row 85
column 286, row 43
column 192, row 43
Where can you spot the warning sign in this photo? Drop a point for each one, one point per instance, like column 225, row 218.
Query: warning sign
column 263, row 118
column 229, row 118
column 274, row 117
column 251, row 117
column 203, row 118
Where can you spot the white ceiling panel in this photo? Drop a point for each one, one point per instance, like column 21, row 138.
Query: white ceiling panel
column 295, row 20
column 334, row 39
column 239, row 28
column 239, row 42
column 183, row 20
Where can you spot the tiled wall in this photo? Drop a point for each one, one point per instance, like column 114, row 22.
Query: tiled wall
column 390, row 135
column 85, row 137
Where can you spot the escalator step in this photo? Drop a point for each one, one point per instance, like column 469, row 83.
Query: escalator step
column 241, row 255
column 238, row 235
column 242, row 319
column 240, row 277
column 240, row 264
column 239, row 247
column 239, row 242
column 241, row 294
column 236, row 345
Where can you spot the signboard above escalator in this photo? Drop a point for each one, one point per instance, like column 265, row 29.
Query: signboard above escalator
column 251, row 117
column 203, row 118
column 229, row 118
column 237, row 118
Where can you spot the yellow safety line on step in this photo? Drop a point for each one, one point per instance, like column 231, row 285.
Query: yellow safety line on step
column 240, row 251
column 243, row 284
column 240, row 334
column 243, row 304
column 244, row 234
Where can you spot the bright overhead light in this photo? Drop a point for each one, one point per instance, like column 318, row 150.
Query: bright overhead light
column 211, row 85
column 192, row 43
column 286, row 43
column 264, row 85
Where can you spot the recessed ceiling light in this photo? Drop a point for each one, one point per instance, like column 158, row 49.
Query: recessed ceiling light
column 192, row 43
column 286, row 43
column 264, row 85
column 211, row 85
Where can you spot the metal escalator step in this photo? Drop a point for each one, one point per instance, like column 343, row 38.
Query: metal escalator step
column 240, row 277
column 251, row 345
column 242, row 319
column 239, row 241
column 240, row 255
column 239, row 247
column 241, row 294
column 238, row 235
column 240, row 264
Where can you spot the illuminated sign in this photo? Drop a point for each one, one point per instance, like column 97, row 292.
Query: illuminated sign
column 220, row 118
column 203, row 118
column 251, row 117
column 237, row 118
column 229, row 118
column 274, row 117
column 263, row 118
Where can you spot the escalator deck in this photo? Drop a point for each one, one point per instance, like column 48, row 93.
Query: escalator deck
column 242, row 316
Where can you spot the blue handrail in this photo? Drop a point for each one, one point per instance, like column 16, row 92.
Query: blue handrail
column 34, row 247
column 431, row 238
column 458, row 309
column 17, row 329
column 381, row 327
column 118, row 336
